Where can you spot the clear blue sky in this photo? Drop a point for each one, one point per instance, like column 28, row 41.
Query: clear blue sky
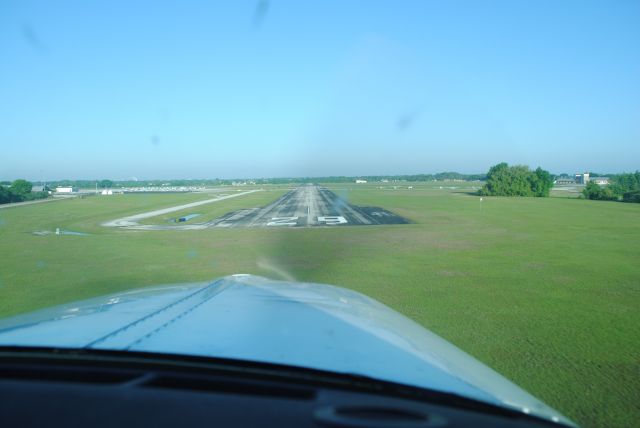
column 182, row 89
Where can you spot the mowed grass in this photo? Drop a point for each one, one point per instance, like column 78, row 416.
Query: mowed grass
column 546, row 291
column 86, row 213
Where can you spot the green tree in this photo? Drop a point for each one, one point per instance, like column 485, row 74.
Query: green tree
column 592, row 191
column 5, row 195
column 541, row 182
column 20, row 187
column 595, row 192
column 105, row 184
column 631, row 197
column 517, row 180
column 625, row 183
column 520, row 184
column 496, row 180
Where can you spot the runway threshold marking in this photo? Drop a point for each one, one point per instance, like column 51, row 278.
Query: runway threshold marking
column 283, row 221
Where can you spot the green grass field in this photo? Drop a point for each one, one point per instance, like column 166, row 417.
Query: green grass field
column 546, row 291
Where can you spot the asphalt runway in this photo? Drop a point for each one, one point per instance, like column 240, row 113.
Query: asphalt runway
column 308, row 206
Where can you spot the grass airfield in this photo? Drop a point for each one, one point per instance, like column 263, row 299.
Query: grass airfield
column 545, row 291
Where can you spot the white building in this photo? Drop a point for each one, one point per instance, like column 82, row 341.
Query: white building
column 65, row 189
column 564, row 181
column 602, row 181
column 582, row 178
column 361, row 181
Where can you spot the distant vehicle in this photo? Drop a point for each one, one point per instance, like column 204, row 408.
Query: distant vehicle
column 186, row 218
column 246, row 351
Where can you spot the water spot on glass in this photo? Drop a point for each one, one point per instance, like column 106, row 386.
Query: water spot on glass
column 260, row 13
column 192, row 254
column 406, row 120
column 33, row 40
column 40, row 264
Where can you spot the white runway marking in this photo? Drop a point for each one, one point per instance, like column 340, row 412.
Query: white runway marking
column 131, row 222
column 332, row 220
column 283, row 221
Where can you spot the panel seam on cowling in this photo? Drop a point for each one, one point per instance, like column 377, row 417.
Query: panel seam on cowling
column 182, row 314
column 151, row 315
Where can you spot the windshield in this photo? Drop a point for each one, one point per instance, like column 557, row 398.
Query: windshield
column 472, row 166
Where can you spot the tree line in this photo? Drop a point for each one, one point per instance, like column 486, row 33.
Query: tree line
column 501, row 180
column 517, row 180
column 623, row 187
column 19, row 191
column 88, row 184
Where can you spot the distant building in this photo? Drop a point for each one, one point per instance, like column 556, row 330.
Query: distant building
column 107, row 192
column 564, row 181
column 602, row 181
column 582, row 178
column 361, row 181
column 36, row 189
column 66, row 189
